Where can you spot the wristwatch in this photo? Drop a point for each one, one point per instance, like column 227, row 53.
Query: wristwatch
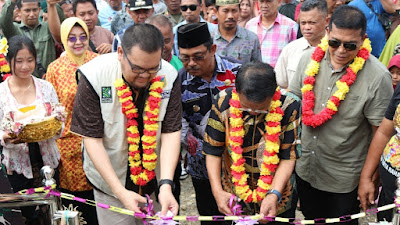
column 275, row 192
column 166, row 181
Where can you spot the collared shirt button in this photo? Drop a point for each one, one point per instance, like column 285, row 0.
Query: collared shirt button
column 329, row 88
column 315, row 137
column 323, row 105
column 312, row 152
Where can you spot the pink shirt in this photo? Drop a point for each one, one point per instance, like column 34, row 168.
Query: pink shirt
column 274, row 38
column 101, row 35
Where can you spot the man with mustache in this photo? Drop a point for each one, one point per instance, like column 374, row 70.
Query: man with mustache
column 204, row 75
column 335, row 137
column 231, row 39
column 313, row 19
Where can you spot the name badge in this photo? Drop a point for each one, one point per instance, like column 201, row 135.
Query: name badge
column 165, row 94
column 106, row 94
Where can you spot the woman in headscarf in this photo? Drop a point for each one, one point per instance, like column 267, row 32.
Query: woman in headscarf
column 61, row 73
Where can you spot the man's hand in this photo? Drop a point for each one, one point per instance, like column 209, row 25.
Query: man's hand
column 53, row 2
column 222, row 198
column 366, row 192
column 167, row 200
column 131, row 200
column 104, row 48
column 268, row 207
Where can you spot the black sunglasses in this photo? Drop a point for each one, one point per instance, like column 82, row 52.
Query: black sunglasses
column 186, row 7
column 349, row 46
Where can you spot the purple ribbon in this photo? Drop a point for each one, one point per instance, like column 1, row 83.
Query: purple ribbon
column 104, row 206
column 47, row 188
column 79, row 199
column 164, row 220
column 396, row 203
column 140, row 215
column 30, row 191
column 148, row 210
column 270, row 218
column 192, row 218
column 54, row 193
column 246, row 221
column 235, row 208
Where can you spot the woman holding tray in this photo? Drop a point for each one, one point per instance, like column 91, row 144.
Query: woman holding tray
column 26, row 99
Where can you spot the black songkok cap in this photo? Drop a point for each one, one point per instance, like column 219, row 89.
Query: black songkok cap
column 193, row 34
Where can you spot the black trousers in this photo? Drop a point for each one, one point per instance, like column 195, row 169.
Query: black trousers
column 315, row 203
column 205, row 201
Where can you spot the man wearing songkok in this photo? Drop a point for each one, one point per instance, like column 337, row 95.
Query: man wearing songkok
column 251, row 136
column 345, row 91
column 140, row 11
column 127, row 109
column 313, row 20
column 204, row 75
column 231, row 39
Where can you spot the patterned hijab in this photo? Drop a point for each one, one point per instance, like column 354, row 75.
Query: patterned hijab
column 66, row 28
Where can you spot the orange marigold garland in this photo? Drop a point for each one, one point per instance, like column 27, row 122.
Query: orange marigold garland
column 142, row 170
column 4, row 67
column 343, row 85
column 270, row 156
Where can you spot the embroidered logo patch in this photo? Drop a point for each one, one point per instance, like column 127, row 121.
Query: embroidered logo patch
column 106, row 95
column 165, row 94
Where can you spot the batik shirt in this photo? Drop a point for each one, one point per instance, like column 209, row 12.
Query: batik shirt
column 217, row 132
column 244, row 46
column 197, row 96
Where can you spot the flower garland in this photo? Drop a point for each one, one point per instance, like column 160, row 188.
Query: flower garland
column 343, row 85
column 4, row 67
column 270, row 155
column 142, row 171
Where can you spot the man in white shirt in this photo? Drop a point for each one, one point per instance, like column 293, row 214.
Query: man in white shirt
column 313, row 20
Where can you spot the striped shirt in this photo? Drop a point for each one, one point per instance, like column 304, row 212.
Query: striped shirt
column 274, row 38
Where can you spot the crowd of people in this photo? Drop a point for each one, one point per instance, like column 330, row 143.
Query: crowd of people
column 284, row 104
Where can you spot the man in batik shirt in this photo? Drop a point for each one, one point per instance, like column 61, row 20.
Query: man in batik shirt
column 256, row 95
column 204, row 75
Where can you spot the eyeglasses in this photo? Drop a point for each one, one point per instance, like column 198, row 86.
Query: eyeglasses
column 186, row 7
column 75, row 39
column 140, row 70
column 197, row 58
column 349, row 46
column 254, row 110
